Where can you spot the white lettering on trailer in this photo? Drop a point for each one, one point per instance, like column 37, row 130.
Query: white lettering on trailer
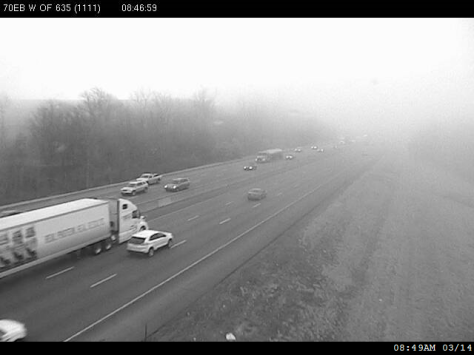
column 52, row 237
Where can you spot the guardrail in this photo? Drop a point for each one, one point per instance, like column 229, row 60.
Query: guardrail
column 166, row 200
column 92, row 189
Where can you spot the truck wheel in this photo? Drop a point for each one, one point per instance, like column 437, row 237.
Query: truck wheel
column 107, row 244
column 151, row 252
column 97, row 248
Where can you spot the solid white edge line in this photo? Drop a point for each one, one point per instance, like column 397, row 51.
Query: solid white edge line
column 60, row 272
column 103, row 280
column 194, row 263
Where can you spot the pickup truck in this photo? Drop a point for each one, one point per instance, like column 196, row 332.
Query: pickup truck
column 150, row 178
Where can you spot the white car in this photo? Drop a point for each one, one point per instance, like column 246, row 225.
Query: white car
column 133, row 187
column 148, row 241
column 150, row 178
column 11, row 330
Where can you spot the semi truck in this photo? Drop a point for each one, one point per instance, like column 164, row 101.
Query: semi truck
column 31, row 238
column 269, row 155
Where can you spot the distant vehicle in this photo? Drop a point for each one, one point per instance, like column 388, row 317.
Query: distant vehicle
column 269, row 155
column 11, row 330
column 149, row 241
column 251, row 166
column 298, row 150
column 256, row 194
column 320, row 150
column 9, row 213
column 314, row 147
column 289, row 157
column 150, row 178
column 178, row 184
column 31, row 238
column 134, row 187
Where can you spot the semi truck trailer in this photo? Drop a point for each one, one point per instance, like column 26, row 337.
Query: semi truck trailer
column 31, row 238
column 269, row 155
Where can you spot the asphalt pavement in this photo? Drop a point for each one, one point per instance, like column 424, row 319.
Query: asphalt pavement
column 116, row 296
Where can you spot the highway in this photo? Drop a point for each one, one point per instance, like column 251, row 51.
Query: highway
column 118, row 297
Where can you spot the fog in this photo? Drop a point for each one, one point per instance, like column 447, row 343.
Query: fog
column 380, row 76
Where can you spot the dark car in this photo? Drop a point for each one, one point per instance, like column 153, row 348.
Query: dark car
column 256, row 194
column 178, row 184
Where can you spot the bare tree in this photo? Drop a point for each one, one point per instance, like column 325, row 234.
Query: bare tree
column 142, row 98
column 204, row 104
column 100, row 112
column 103, row 140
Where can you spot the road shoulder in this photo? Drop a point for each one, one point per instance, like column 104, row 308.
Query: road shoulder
column 388, row 260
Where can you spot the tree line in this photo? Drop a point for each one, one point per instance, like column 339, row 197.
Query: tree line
column 101, row 140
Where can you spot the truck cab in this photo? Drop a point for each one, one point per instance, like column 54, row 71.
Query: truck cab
column 125, row 219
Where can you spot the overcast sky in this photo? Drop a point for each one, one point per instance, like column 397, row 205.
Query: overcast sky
column 352, row 71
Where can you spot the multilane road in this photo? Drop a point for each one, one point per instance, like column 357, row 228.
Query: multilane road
column 116, row 296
